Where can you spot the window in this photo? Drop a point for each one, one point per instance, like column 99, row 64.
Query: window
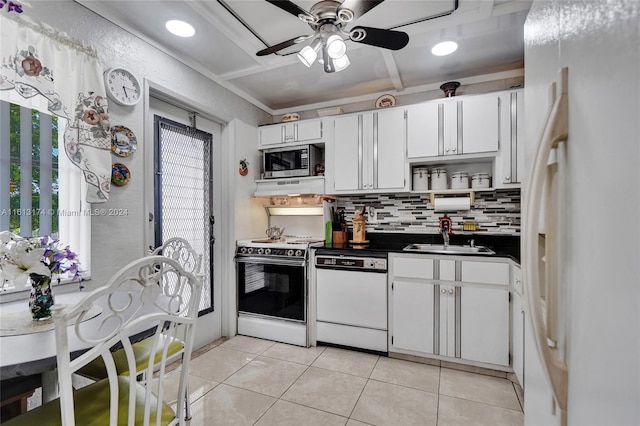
column 41, row 188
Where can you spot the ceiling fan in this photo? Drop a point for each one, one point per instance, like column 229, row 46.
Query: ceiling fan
column 327, row 19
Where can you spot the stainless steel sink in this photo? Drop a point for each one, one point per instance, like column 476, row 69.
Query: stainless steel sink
column 448, row 249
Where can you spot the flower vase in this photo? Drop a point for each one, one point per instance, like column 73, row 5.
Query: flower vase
column 41, row 299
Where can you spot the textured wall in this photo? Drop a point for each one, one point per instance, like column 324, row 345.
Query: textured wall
column 118, row 240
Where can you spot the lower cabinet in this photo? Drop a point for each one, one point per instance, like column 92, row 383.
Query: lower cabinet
column 484, row 325
column 434, row 312
column 413, row 318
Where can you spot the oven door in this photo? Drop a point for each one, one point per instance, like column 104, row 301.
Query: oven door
column 272, row 287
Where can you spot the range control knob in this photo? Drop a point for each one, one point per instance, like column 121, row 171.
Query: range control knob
column 290, row 252
column 260, row 250
column 298, row 253
column 267, row 251
column 243, row 249
column 250, row 250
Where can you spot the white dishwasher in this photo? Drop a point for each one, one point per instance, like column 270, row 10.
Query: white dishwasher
column 351, row 299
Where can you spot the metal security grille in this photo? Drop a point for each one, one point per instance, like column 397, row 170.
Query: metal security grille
column 183, row 190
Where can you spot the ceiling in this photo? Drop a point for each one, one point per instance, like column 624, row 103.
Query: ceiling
column 489, row 34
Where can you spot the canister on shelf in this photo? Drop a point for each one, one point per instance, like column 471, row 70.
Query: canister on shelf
column 480, row 180
column 460, row 180
column 420, row 179
column 439, row 179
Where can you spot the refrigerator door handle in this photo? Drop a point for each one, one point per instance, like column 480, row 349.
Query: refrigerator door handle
column 554, row 132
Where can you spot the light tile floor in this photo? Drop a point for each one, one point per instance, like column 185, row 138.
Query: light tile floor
column 248, row 381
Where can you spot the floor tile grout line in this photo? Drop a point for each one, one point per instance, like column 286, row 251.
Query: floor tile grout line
column 482, row 402
column 363, row 388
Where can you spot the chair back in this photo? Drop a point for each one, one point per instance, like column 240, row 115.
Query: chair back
column 152, row 294
column 179, row 249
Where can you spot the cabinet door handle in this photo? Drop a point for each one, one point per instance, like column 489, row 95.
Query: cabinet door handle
column 507, row 178
column 443, row 291
column 453, row 149
column 450, row 291
column 447, row 149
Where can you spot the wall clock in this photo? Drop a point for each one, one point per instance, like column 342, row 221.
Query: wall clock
column 122, row 86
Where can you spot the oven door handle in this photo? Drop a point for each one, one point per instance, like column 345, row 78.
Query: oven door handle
column 271, row 261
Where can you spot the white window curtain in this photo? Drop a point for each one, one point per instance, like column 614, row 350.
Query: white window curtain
column 44, row 69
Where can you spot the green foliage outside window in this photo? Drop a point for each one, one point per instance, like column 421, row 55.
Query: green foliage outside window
column 15, row 172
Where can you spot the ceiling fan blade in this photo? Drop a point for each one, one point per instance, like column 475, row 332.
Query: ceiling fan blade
column 388, row 39
column 293, row 9
column 358, row 7
column 276, row 47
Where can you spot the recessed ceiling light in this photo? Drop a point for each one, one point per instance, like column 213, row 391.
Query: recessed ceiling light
column 444, row 48
column 180, row 28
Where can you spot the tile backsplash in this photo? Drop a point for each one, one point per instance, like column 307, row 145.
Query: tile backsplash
column 496, row 212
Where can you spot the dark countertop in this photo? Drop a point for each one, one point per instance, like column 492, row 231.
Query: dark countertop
column 503, row 245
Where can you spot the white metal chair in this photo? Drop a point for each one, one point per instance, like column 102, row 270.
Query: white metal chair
column 152, row 292
column 181, row 251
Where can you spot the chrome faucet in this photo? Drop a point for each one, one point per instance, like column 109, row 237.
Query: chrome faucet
column 444, row 224
column 445, row 235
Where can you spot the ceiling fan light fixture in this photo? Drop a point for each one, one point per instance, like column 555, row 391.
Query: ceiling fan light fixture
column 309, row 53
column 180, row 28
column 341, row 63
column 336, row 47
column 444, row 48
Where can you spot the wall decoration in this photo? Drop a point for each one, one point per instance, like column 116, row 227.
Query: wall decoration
column 120, row 174
column 244, row 167
column 123, row 141
column 385, row 101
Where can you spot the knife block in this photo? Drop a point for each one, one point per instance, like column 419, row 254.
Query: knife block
column 339, row 237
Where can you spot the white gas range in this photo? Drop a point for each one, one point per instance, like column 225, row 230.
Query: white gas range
column 272, row 277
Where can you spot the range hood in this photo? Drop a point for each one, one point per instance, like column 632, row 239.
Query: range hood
column 289, row 186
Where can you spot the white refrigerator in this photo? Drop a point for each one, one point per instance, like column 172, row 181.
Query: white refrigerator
column 581, row 213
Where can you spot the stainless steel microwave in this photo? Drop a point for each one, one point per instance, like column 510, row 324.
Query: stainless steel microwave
column 292, row 161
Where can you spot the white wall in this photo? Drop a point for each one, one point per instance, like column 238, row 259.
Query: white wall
column 118, row 240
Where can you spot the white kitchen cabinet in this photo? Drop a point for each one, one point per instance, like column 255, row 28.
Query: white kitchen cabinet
column 422, row 130
column 466, row 125
column 412, row 316
column 510, row 162
column 450, row 308
column 517, row 335
column 485, row 272
column 298, row 132
column 447, row 320
column 369, row 151
column 484, row 325
column 479, row 117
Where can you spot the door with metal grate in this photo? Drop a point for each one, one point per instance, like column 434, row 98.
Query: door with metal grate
column 183, row 192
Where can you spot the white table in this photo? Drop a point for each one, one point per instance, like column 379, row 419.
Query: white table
column 35, row 352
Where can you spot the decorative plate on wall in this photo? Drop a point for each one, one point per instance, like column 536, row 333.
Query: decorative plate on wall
column 123, row 141
column 120, row 174
column 385, row 101
column 292, row 116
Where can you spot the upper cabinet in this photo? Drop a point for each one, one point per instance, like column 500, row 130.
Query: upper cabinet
column 454, row 126
column 297, row 132
column 510, row 161
column 369, row 151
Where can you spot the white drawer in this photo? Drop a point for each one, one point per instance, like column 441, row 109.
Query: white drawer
column 412, row 267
